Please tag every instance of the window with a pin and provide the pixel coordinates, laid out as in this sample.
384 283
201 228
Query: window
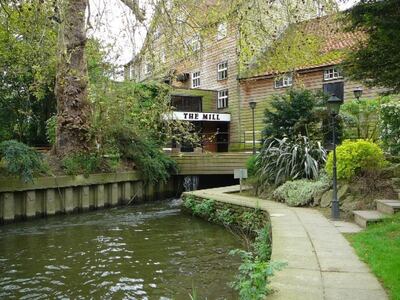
284 81
334 88
332 73
223 70
222 99
222 30
163 56
193 43
133 73
148 68
196 79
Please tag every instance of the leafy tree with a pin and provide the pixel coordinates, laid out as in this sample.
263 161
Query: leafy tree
376 60
27 59
291 114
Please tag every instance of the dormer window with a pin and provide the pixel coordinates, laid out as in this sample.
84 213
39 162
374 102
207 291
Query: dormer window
193 44
284 81
332 73
222 30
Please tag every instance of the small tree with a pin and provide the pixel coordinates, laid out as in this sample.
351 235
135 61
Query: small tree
291 114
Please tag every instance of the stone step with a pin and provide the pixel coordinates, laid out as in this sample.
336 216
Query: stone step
387 206
365 217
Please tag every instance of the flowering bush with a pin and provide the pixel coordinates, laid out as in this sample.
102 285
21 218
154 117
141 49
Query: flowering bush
356 157
390 127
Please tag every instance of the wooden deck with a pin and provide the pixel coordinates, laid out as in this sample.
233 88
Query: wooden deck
210 163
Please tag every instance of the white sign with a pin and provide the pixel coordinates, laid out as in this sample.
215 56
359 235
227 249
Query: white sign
200 116
240 173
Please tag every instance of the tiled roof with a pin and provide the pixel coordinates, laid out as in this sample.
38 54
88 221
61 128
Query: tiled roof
334 41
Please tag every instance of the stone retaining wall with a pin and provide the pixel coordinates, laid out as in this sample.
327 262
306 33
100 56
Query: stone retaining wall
65 194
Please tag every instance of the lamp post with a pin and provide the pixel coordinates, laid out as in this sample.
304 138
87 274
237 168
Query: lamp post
333 104
252 105
358 93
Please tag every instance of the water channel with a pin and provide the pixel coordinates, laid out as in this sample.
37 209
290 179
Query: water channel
148 251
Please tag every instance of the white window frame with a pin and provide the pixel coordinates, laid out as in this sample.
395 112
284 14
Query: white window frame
163 56
332 74
223 98
222 70
196 79
195 43
222 30
283 81
132 72
148 68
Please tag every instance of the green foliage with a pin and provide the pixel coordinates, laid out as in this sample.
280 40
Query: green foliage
355 158
301 192
21 160
390 127
251 220
28 40
82 163
225 217
291 114
284 159
149 158
51 129
205 209
251 165
376 59
262 243
253 279
361 118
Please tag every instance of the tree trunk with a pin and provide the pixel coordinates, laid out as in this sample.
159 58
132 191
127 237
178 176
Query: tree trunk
73 107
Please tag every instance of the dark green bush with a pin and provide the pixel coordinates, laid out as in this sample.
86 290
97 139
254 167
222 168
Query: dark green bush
148 156
251 165
284 159
21 160
225 217
291 114
390 126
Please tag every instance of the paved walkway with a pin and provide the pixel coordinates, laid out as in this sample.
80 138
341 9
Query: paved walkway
321 263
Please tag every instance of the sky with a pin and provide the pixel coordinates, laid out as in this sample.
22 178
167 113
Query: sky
113 23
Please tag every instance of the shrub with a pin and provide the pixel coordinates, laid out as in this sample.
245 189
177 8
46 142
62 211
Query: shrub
82 163
361 119
251 220
291 114
301 192
204 209
251 165
253 279
51 129
262 243
148 156
21 160
225 217
390 127
356 157
284 159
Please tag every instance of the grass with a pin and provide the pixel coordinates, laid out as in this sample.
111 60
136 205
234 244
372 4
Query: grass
379 247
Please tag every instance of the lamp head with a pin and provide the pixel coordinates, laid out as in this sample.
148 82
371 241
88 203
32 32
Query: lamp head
333 104
252 104
358 92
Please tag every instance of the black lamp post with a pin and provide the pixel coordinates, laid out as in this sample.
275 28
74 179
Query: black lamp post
333 104
358 93
252 105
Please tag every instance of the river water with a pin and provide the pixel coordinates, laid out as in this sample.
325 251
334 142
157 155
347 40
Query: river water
149 251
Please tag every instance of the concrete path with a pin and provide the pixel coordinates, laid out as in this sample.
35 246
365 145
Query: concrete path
321 264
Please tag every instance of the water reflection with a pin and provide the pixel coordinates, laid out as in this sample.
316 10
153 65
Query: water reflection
146 252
